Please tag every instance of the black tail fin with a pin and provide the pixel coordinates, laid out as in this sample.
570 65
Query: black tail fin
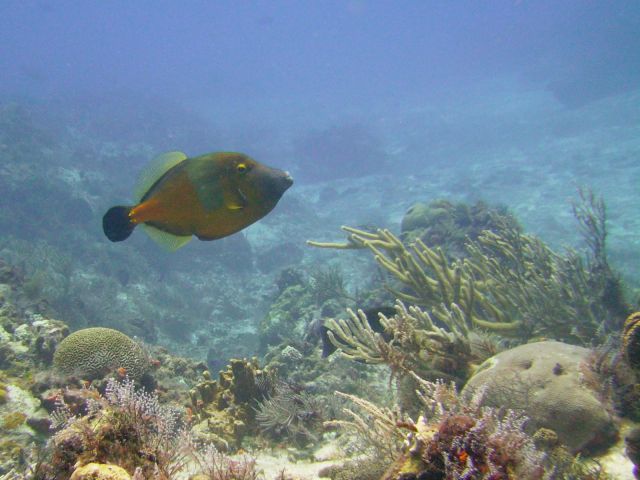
116 224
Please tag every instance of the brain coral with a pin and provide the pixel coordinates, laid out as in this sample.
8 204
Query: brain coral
94 352
545 380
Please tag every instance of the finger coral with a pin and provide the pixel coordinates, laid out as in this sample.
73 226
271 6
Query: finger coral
94 352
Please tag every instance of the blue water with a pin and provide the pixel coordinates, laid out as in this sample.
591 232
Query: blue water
371 105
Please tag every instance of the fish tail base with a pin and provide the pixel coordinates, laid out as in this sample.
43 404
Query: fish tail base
116 224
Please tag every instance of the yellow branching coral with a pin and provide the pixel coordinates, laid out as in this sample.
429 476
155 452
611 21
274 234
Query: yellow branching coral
356 339
551 294
417 341
431 280
511 284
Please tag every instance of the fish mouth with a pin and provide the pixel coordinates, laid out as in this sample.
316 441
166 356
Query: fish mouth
288 179
285 180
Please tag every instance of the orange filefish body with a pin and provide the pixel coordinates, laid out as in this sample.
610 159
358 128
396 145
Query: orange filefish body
210 196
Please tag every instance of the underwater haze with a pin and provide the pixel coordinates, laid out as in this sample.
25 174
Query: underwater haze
484 157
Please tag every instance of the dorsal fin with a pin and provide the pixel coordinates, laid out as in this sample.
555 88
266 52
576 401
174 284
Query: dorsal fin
156 168
168 241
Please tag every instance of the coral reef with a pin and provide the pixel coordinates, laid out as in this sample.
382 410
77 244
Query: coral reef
214 465
433 282
225 408
127 433
447 225
368 468
94 352
418 344
322 292
545 380
452 439
511 283
124 427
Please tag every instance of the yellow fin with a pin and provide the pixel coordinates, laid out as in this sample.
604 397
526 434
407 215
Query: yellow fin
156 168
166 240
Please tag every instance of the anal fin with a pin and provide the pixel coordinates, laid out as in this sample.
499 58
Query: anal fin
168 241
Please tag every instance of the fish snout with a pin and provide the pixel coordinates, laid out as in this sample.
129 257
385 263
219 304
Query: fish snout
287 179
281 180
273 183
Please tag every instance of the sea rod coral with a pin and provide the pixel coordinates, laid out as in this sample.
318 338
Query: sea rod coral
418 344
511 283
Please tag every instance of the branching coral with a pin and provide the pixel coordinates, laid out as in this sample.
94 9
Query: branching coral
511 284
127 427
216 466
417 341
377 427
433 282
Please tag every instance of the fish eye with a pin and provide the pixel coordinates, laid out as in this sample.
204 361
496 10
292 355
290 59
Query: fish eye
241 167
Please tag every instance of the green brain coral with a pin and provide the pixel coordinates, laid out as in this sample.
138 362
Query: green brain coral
94 352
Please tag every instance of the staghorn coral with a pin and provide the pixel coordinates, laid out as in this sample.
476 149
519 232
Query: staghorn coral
94 352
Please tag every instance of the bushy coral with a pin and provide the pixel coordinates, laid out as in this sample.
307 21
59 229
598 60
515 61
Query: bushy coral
94 352
126 427
132 430
216 466
509 283
453 439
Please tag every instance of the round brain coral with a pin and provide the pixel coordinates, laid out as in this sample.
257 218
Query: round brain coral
94 352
